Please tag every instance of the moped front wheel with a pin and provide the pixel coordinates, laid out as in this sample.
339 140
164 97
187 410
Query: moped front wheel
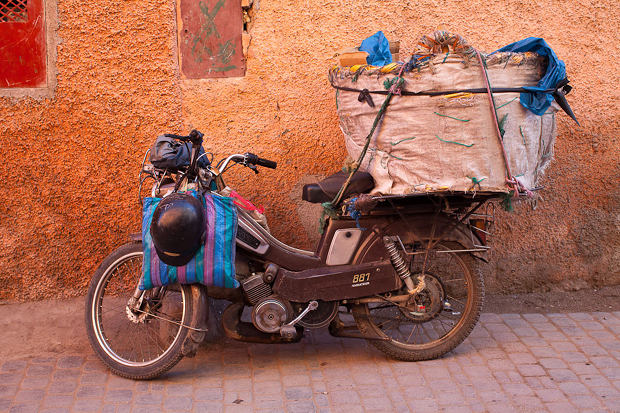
135 341
438 319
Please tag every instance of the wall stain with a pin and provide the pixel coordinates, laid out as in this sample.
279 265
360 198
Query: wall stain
200 47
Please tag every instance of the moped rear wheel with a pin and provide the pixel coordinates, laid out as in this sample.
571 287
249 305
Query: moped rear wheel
142 342
441 316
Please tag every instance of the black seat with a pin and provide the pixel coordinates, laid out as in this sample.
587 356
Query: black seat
328 188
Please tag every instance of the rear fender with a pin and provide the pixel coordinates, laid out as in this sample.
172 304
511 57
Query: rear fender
418 226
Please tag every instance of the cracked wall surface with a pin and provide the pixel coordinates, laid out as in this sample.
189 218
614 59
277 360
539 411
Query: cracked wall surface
71 159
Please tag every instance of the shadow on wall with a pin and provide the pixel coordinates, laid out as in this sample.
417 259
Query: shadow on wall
307 213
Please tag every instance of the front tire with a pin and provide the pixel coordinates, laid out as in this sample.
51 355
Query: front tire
428 328
140 344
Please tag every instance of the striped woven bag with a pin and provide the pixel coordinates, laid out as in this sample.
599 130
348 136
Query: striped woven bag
214 262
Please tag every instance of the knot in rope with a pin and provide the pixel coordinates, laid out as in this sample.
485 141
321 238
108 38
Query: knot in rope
394 85
518 186
475 182
355 214
351 166
328 212
365 96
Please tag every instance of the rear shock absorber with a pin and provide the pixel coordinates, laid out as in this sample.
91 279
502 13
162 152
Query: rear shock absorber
402 268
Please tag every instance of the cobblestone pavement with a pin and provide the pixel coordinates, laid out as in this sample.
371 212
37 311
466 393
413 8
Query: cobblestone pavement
510 363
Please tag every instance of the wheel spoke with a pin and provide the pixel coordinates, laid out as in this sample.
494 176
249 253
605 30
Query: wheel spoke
118 313
451 299
443 325
134 341
387 321
154 340
398 323
419 334
166 317
412 331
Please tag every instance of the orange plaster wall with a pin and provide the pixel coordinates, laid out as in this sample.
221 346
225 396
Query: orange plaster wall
71 161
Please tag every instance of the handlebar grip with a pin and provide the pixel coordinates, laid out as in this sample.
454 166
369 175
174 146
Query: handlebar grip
195 137
267 163
255 160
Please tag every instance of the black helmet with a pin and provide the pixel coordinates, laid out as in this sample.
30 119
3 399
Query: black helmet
178 228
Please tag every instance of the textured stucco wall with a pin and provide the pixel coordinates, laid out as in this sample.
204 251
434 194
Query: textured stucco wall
71 161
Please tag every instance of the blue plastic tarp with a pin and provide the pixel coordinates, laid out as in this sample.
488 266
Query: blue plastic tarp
539 101
378 49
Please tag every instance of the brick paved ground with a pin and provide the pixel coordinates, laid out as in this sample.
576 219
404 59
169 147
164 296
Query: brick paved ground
510 363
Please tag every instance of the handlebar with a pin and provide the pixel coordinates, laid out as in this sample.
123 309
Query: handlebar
248 159
194 137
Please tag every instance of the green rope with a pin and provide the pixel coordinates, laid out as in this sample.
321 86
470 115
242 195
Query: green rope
445 58
522 136
387 153
328 207
452 117
402 140
501 106
484 67
388 83
328 211
458 143
476 181
506 202
501 123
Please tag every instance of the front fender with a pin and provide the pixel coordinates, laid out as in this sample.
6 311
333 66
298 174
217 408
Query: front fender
199 316
198 319
418 226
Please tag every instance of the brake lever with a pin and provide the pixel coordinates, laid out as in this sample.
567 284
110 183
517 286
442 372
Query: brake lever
252 167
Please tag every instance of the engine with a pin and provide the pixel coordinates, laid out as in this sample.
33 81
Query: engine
271 313
256 288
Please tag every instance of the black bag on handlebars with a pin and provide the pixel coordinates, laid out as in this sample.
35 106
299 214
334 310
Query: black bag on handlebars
168 153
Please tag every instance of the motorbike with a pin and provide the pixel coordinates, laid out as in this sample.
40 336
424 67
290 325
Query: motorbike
400 271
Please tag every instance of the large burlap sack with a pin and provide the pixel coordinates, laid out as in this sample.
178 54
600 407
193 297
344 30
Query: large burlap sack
448 142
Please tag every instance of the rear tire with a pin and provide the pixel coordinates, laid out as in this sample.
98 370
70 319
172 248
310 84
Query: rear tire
416 335
137 345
